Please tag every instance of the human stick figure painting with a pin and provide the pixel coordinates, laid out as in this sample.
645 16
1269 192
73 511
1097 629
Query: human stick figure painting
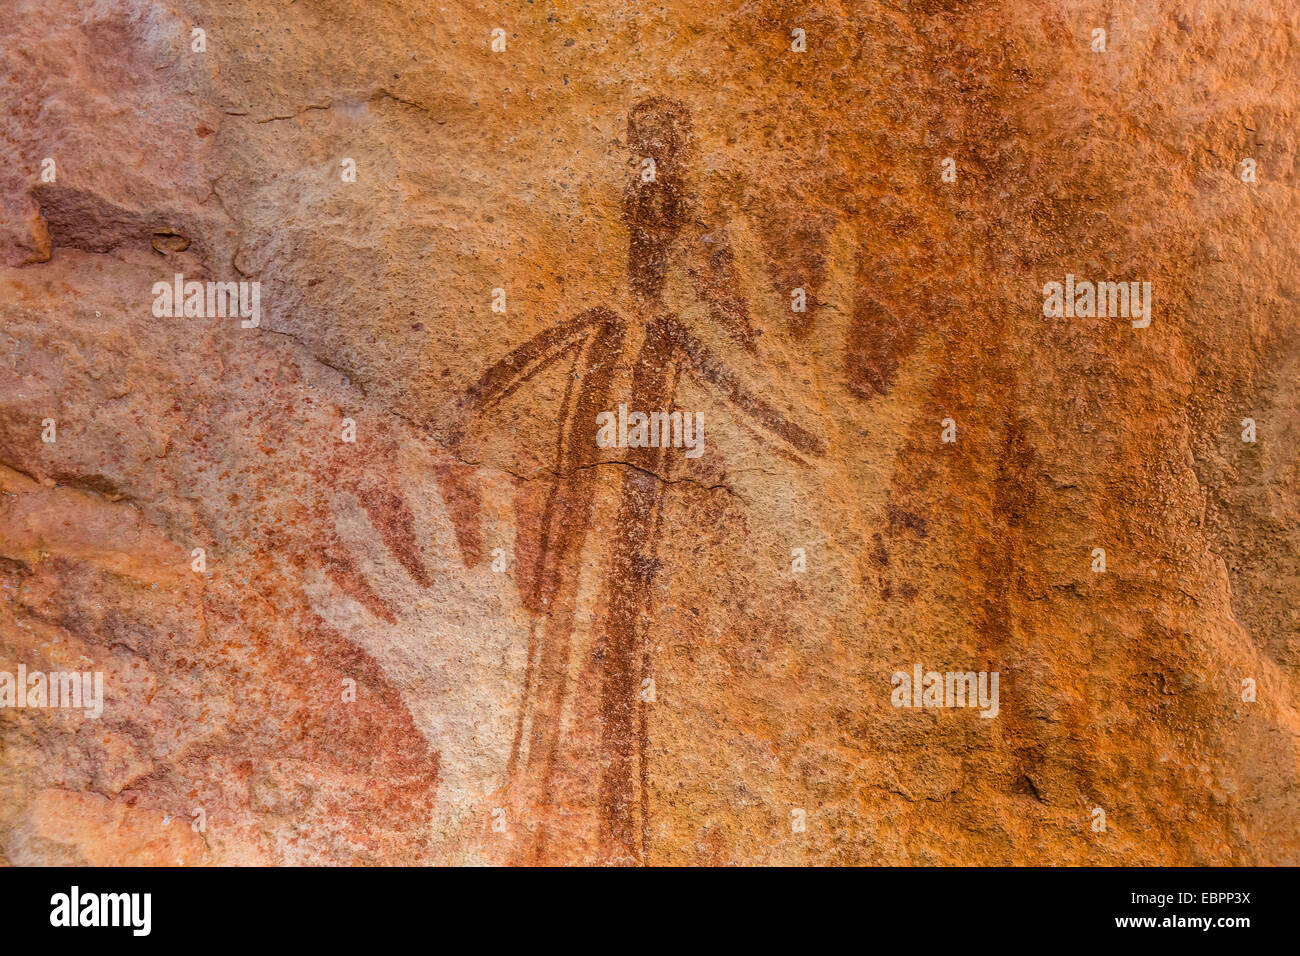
722 434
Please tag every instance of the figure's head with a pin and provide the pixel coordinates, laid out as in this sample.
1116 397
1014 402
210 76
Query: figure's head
655 206
659 128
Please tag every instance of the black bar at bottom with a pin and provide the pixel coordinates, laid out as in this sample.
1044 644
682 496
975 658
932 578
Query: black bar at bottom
947 907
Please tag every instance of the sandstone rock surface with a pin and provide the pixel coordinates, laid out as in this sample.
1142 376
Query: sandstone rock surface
563 652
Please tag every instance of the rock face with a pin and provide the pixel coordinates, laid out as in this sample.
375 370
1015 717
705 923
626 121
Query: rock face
366 581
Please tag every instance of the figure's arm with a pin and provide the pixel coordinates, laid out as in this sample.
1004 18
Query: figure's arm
538 353
456 477
714 373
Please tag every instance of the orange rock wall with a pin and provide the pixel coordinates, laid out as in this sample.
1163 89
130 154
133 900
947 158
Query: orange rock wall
506 595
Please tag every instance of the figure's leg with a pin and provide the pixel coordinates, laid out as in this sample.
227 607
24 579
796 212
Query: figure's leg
632 575
623 798
541 752
549 582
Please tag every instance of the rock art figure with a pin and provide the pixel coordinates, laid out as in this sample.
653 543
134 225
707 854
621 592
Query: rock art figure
653 348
